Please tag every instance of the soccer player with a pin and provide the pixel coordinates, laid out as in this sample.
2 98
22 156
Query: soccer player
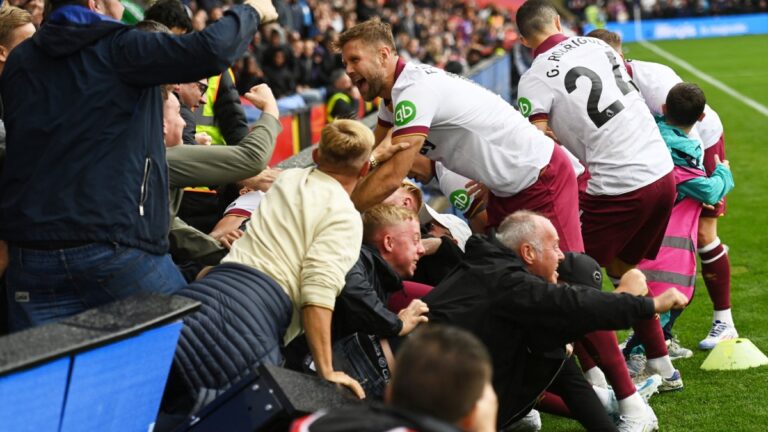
654 81
580 89
470 130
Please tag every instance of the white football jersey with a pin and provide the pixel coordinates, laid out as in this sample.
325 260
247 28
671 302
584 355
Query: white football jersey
472 131
580 85
655 80
245 204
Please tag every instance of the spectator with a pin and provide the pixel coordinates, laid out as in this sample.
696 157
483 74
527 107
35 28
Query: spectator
278 74
192 96
506 293
191 165
283 276
343 97
251 75
441 383
172 13
124 239
391 248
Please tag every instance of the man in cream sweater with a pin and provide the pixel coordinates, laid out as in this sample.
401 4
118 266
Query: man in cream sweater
283 276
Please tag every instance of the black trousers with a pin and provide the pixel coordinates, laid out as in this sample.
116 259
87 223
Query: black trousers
581 399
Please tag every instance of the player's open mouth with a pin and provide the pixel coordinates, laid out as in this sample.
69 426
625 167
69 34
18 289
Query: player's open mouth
359 83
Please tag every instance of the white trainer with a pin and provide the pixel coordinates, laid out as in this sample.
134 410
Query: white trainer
720 331
677 351
644 423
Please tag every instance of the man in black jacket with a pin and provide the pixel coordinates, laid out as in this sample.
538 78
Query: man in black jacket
506 292
391 248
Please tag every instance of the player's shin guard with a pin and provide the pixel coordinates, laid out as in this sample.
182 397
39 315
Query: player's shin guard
716 270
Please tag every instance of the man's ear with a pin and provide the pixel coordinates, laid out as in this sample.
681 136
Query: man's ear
664 109
384 53
388 243
524 41
3 54
92 5
701 117
527 253
365 169
558 26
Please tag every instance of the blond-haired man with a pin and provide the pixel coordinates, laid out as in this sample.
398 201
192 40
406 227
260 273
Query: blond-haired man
391 248
283 276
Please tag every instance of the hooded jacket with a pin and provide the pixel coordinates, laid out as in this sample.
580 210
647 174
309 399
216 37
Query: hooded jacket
86 160
523 320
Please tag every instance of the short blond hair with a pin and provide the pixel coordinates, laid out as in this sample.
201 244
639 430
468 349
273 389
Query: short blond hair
384 215
370 32
414 190
345 144
12 18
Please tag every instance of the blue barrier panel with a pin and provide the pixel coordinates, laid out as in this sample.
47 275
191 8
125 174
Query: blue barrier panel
494 76
118 387
690 28
33 399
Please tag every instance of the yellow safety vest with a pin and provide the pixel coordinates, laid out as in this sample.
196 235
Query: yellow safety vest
205 122
332 102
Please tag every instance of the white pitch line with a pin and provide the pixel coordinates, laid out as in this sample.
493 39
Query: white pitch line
757 106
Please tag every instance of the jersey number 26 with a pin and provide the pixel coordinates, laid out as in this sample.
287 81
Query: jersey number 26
597 116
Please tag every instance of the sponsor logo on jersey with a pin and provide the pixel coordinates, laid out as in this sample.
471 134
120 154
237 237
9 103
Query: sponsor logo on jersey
460 199
525 106
405 111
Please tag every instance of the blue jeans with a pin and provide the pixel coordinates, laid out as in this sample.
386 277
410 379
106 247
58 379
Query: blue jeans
44 286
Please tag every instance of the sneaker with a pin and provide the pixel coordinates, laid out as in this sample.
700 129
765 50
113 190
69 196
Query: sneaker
676 351
673 383
530 423
720 331
636 364
649 387
644 423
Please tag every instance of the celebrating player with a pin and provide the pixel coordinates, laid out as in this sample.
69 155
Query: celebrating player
654 81
580 89
472 131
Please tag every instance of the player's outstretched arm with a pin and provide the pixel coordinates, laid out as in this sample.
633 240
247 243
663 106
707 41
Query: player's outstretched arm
380 184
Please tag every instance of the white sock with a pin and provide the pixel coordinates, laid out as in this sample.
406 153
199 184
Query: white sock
723 315
662 366
596 377
633 406
604 395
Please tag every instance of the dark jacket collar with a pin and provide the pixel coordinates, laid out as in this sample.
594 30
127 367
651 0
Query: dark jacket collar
386 275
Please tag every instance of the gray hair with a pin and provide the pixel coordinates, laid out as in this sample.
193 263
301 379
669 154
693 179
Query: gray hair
518 228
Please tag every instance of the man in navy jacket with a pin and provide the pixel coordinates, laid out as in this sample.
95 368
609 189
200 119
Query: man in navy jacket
84 192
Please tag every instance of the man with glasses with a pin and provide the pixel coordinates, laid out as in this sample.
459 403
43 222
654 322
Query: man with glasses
192 96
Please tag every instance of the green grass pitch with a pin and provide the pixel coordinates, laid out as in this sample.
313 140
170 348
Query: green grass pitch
738 400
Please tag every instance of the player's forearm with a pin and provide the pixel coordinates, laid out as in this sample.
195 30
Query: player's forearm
317 325
376 187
